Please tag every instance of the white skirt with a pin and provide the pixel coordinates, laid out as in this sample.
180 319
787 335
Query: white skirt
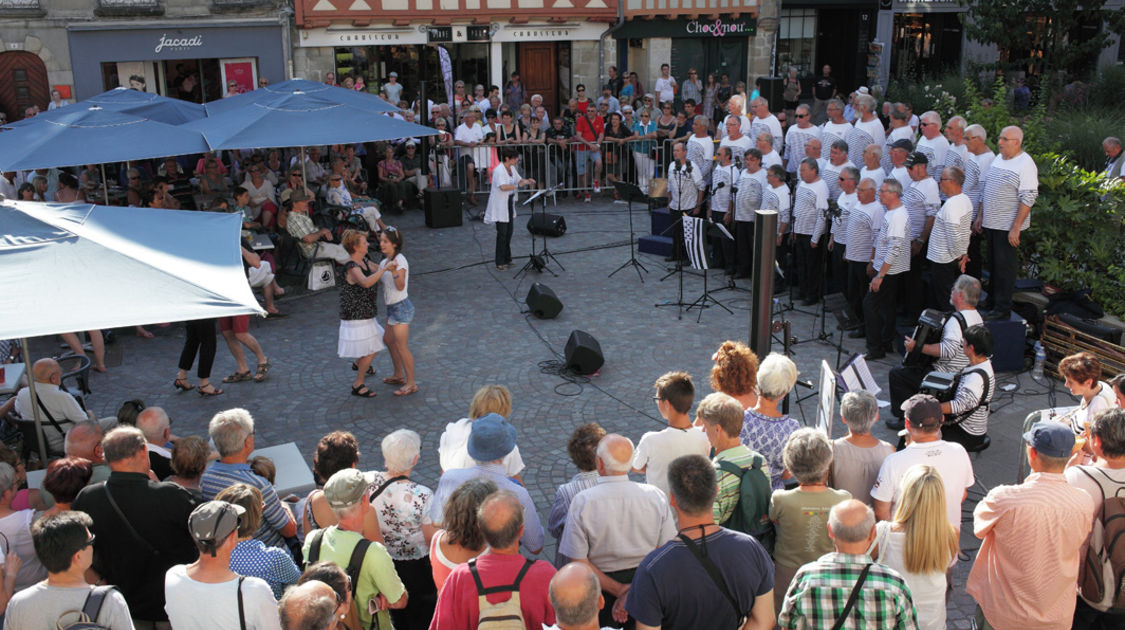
359 338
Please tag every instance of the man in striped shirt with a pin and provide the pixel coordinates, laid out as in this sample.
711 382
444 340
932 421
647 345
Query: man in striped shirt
871 168
835 128
977 161
967 413
809 203
949 238
232 431
867 129
890 262
863 224
751 186
1011 186
831 168
765 121
933 144
797 136
922 203
838 233
775 196
764 143
819 592
899 130
685 190
723 179
958 151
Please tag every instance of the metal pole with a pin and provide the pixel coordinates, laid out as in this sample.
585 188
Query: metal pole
34 407
761 311
105 185
424 118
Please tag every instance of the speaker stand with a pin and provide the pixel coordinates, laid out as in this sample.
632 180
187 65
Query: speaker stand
705 301
631 192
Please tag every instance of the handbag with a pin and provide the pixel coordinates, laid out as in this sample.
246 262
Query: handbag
321 276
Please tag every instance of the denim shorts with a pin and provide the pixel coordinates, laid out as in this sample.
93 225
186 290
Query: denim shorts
400 312
584 157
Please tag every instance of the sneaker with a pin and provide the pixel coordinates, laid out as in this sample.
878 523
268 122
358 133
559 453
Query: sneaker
587 197
597 187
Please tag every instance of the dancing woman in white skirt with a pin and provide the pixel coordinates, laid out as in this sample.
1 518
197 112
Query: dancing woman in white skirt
361 337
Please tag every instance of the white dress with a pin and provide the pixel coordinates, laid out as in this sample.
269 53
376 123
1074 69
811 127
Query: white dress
926 589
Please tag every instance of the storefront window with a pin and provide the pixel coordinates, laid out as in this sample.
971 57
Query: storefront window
375 63
925 44
796 40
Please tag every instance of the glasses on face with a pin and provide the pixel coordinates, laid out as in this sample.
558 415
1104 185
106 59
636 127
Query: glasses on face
802 115
133 178
581 89
945 179
845 179
657 399
89 541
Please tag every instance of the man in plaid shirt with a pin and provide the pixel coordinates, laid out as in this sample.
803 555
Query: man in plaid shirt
820 590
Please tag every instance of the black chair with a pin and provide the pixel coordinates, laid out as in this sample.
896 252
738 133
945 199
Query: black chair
27 431
76 367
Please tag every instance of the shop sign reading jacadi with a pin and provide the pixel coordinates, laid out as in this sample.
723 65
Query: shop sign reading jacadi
177 42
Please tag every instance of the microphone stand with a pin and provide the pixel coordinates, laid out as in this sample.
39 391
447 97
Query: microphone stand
679 268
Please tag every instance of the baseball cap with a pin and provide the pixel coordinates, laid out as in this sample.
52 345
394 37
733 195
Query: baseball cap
916 158
903 143
393 74
863 90
923 411
1050 438
213 521
345 488
298 194
492 438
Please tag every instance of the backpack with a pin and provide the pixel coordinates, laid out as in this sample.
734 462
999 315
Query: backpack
355 565
507 614
752 512
87 618
1101 576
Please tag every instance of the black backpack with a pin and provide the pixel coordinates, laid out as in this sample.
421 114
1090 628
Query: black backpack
87 618
752 512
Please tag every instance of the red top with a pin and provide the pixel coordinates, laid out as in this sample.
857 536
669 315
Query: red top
590 131
457 607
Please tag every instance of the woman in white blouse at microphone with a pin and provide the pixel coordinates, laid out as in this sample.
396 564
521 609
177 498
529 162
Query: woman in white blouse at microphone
501 203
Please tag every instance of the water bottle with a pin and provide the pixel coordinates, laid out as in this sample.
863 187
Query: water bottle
1040 359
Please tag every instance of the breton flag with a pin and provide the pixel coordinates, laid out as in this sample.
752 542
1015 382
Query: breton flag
695 241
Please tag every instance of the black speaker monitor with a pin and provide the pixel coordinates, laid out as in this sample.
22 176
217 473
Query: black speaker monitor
442 207
583 354
543 302
545 224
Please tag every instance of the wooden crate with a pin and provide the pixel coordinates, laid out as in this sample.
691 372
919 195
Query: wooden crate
1060 340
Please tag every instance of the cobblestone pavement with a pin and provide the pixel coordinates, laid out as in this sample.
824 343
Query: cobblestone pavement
469 331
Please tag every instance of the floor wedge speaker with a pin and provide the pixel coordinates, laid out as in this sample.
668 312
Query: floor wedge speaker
583 354
543 302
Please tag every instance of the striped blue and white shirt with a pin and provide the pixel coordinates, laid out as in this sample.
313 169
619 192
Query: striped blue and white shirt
892 245
830 173
921 201
778 199
863 135
749 198
1007 185
723 179
831 132
795 141
770 124
975 168
876 175
935 151
220 476
809 202
839 229
700 152
898 133
864 223
949 239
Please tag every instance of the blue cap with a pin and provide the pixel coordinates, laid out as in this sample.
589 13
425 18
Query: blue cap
1050 438
492 438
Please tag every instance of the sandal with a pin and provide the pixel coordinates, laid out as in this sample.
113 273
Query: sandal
212 392
363 392
182 385
370 369
406 391
395 380
262 373
237 377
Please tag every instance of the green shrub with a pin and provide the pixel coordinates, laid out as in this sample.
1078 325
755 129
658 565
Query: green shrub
1108 87
1081 131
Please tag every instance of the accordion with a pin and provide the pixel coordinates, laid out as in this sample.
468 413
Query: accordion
940 385
928 330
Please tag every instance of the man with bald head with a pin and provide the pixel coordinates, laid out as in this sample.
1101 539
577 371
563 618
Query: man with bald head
883 600
520 582
156 426
58 409
612 526
83 440
1011 187
308 606
577 598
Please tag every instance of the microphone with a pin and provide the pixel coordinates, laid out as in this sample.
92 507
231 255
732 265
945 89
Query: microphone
721 184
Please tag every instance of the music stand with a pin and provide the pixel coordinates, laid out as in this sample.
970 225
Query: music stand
538 261
631 193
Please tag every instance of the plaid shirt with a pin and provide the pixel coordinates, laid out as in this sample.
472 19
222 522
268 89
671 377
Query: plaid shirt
820 591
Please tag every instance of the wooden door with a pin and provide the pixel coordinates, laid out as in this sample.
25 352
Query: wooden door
539 72
23 83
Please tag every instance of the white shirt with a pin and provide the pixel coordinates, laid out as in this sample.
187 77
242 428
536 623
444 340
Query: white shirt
949 240
9 189
616 523
863 135
684 183
921 201
751 187
976 166
769 123
769 159
497 210
16 528
892 243
453 450
839 228
809 202
745 126
193 605
701 153
723 180
795 140
391 292
949 458
465 133
259 194
1007 184
829 133
876 175
863 225
657 449
778 199
898 133
935 151
738 149
61 405
665 89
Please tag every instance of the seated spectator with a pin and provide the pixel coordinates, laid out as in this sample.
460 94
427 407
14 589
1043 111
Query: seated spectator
920 544
65 478
883 601
15 526
189 459
129 410
460 540
1083 374
1025 573
294 182
250 557
453 449
338 195
857 457
460 605
403 508
315 243
156 426
1118 384
212 182
583 450
335 452
84 440
379 588
721 416
657 449
68 191
801 515
735 373
60 408
64 545
576 597
923 426
26 497
491 439
394 188
765 429
230 598
342 589
232 432
310 606
673 587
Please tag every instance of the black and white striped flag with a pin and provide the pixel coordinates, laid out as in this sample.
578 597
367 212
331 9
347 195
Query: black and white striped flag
695 241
